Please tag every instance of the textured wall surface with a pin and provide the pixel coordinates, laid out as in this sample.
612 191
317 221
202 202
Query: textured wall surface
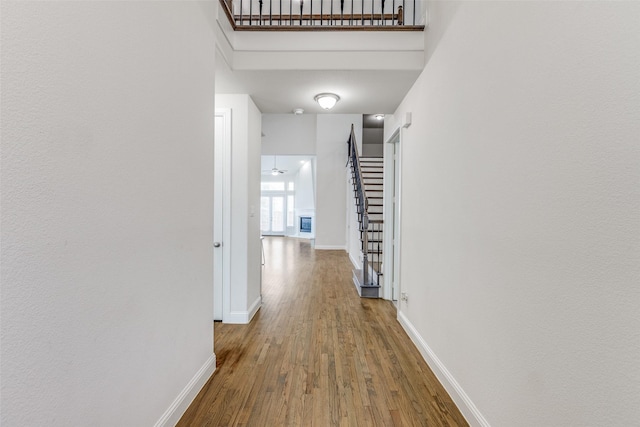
521 194
107 130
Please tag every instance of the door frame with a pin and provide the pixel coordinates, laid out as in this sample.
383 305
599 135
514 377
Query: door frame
222 216
392 215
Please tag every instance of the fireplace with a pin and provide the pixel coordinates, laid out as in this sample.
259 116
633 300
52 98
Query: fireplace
305 224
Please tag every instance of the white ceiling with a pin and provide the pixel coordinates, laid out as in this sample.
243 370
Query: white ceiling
361 92
289 163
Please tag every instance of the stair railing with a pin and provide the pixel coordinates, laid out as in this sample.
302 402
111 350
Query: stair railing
362 203
334 15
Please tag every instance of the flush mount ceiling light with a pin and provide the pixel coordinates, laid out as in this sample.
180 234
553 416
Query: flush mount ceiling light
379 116
327 100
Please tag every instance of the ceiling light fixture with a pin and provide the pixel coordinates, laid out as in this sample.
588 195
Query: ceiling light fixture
379 116
327 100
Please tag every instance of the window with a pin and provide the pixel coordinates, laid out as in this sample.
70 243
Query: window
272 186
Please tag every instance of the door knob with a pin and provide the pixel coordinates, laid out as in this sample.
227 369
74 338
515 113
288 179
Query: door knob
216 244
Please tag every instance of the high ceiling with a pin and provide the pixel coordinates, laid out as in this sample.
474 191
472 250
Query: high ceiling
289 163
275 91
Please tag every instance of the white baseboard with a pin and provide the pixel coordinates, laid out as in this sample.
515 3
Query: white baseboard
330 248
461 399
244 317
254 308
355 263
178 407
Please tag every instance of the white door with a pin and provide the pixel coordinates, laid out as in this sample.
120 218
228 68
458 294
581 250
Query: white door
395 285
221 215
392 203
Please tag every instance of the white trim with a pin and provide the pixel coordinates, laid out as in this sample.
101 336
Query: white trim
225 227
237 318
355 263
244 317
178 407
397 262
254 308
468 409
389 214
330 248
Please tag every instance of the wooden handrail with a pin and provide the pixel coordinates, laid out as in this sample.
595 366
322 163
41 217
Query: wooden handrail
226 6
327 28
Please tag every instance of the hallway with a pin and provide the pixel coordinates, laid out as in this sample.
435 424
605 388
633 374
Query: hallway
317 354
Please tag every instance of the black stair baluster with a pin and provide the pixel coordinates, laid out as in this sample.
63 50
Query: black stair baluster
351 15
331 20
372 10
393 11
260 12
301 5
403 11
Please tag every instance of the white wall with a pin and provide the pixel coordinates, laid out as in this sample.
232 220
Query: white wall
354 246
305 190
107 213
331 155
372 150
245 206
289 134
520 226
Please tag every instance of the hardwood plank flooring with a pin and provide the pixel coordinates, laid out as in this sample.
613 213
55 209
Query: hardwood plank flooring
316 354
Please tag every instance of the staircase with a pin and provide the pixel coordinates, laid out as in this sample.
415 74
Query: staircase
367 179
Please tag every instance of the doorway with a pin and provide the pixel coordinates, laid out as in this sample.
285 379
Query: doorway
392 204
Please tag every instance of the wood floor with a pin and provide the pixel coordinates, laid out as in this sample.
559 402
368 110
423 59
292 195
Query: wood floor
318 355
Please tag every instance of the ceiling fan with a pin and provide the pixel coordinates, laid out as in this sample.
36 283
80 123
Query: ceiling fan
275 171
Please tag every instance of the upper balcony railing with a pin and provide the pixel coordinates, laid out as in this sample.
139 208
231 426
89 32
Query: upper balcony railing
318 15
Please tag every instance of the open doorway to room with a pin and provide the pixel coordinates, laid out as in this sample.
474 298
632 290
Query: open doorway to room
287 196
